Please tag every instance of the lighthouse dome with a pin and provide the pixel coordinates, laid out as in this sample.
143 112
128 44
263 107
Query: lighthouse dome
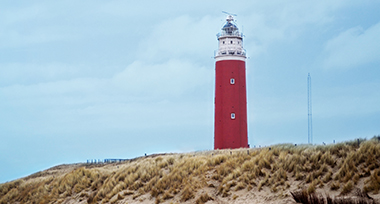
229 28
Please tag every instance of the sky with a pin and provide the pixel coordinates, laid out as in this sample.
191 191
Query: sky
117 79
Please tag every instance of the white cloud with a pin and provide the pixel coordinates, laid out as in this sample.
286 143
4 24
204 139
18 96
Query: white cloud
138 80
353 47
32 73
30 24
349 101
171 78
21 14
142 92
183 36
284 21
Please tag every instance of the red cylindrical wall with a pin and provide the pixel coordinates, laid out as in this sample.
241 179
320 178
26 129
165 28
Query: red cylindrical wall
230 98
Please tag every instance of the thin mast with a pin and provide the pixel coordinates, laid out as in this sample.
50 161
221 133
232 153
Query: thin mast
309 112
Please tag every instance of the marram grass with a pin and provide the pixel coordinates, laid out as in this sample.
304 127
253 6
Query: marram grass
179 177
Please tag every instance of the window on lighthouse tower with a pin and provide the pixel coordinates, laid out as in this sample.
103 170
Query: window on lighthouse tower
232 81
233 116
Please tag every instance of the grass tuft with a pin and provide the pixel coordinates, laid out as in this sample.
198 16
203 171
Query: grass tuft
347 188
335 185
187 194
203 198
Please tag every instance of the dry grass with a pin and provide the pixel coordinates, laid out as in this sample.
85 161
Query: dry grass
314 198
203 198
339 166
335 185
373 183
188 193
347 188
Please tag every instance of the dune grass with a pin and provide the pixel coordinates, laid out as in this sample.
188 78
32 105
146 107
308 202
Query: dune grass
305 197
180 176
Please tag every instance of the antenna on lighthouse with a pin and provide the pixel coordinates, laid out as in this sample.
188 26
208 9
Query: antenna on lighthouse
230 16
309 112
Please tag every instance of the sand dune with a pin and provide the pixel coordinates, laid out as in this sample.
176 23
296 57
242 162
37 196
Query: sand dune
265 175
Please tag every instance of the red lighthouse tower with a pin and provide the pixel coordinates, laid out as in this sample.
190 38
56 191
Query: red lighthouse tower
230 89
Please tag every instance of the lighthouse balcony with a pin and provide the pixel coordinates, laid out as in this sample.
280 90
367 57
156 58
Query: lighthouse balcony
230 52
232 34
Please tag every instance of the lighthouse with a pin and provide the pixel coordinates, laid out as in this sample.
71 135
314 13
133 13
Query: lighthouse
230 89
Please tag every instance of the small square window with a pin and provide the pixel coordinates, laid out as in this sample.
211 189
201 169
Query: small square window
233 116
232 81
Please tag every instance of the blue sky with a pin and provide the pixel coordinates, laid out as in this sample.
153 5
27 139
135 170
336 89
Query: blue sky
117 79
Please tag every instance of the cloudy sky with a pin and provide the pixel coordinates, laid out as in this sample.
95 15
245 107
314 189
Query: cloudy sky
116 79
